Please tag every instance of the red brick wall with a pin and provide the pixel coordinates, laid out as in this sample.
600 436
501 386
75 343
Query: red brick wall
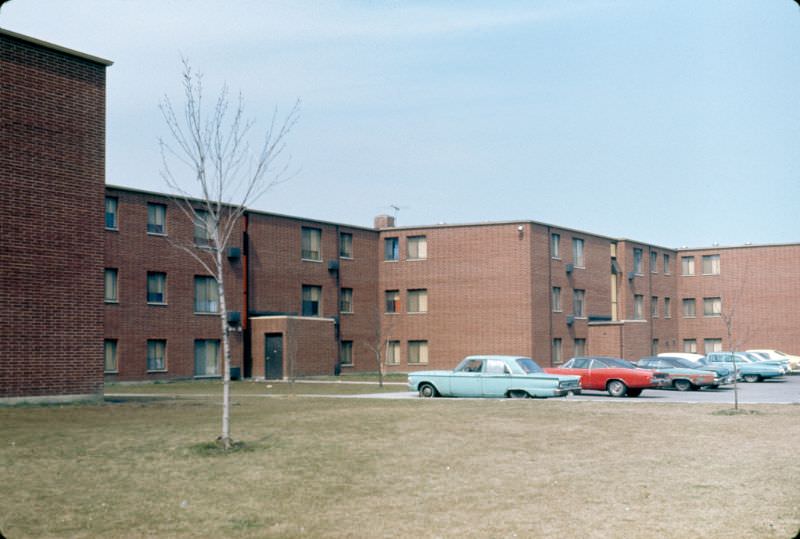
309 345
759 285
132 321
52 155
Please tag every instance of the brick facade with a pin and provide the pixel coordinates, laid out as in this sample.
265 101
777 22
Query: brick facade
52 166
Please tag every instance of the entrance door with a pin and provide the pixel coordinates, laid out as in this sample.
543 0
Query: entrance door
273 356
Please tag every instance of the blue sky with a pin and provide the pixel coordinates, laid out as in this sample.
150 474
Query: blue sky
671 122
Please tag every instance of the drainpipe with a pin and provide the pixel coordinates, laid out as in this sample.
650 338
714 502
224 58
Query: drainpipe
247 360
550 293
337 325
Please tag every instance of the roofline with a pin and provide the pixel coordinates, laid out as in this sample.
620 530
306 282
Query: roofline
744 246
59 48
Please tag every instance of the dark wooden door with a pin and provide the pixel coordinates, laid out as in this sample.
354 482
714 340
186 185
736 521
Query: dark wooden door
273 356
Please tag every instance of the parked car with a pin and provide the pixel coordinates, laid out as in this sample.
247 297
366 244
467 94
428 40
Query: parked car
750 372
493 376
724 374
615 375
757 358
681 377
794 361
683 355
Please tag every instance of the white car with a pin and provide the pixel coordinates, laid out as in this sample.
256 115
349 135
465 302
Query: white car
794 361
684 355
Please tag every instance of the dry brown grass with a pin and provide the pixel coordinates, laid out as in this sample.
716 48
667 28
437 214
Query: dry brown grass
318 467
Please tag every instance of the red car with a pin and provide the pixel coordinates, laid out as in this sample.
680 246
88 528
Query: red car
617 376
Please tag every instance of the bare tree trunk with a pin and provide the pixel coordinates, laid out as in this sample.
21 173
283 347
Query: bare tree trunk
226 354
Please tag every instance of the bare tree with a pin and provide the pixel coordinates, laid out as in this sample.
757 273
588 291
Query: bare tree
378 342
210 151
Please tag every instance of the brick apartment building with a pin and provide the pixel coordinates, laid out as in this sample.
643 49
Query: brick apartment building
52 183
90 296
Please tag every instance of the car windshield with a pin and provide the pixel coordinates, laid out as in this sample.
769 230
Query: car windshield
528 365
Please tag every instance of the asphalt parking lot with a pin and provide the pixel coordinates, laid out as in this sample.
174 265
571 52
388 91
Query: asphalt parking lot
782 391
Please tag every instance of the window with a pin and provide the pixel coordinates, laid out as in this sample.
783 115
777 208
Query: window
666 264
206 295
638 307
203 225
653 262
156 355
311 248
557 299
206 357
687 265
346 245
667 308
712 345
417 247
580 347
689 308
690 346
654 307
391 249
712 306
111 364
555 245
156 287
111 289
418 301
393 353
347 353
577 253
613 249
312 297
637 261
392 301
555 354
654 347
156 218
417 352
578 297
346 300
111 213
710 264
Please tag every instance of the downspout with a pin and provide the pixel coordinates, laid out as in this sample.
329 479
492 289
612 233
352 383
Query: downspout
337 326
247 362
550 293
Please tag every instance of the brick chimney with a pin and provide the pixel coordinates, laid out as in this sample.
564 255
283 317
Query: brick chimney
384 221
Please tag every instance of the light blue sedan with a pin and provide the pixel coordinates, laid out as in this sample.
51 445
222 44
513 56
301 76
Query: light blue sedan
493 376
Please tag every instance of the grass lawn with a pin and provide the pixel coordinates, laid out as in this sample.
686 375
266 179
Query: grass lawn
319 467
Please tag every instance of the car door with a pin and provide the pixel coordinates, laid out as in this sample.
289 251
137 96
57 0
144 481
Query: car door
597 374
466 382
580 366
496 378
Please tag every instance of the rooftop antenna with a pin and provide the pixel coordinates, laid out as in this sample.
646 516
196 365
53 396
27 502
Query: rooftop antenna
396 209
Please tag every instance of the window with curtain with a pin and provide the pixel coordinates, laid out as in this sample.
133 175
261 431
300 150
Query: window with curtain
203 226
712 345
712 306
417 352
417 247
156 355
689 308
206 295
555 354
638 307
687 265
392 301
580 347
207 357
346 303
156 218
653 262
555 245
711 265
156 287
347 353
577 253
311 248
557 299
346 245
312 299
111 213
110 364
654 307
690 346
418 301
391 249
637 261
667 308
579 303
110 287
393 353
666 264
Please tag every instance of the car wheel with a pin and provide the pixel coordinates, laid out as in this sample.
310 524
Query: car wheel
616 388
750 378
682 385
518 394
427 391
634 392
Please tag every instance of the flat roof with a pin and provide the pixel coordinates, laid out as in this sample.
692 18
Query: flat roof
54 47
